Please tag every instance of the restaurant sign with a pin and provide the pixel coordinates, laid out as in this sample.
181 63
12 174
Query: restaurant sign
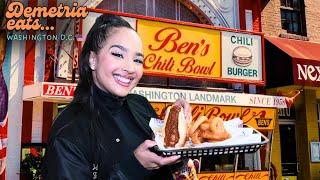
58 90
258 118
216 98
306 73
241 56
185 50
178 50
175 50
66 91
254 175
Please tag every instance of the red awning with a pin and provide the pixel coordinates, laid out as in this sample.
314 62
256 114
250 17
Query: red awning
297 49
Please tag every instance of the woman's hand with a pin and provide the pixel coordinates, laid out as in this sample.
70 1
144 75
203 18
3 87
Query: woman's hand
150 160
187 108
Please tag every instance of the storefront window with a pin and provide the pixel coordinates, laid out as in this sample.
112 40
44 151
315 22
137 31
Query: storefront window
170 9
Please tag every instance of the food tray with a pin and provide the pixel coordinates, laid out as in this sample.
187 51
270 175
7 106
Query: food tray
215 150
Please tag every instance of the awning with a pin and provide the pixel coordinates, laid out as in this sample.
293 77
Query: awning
297 49
292 62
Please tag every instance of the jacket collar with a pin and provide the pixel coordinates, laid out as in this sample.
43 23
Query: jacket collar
107 101
110 104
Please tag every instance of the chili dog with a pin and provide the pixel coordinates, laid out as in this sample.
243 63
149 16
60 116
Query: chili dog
175 127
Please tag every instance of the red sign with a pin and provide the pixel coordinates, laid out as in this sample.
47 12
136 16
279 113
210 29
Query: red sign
58 90
306 72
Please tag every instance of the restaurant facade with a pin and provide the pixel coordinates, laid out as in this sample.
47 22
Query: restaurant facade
292 44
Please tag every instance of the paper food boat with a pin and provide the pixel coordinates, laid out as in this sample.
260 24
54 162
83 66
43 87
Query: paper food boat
244 139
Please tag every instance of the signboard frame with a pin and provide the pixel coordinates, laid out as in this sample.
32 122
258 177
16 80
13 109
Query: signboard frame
220 79
315 151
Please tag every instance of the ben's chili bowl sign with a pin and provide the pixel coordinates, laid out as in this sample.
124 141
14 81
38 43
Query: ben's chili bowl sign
178 50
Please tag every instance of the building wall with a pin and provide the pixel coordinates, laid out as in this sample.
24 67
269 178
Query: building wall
271 19
313 19
307 131
276 149
256 18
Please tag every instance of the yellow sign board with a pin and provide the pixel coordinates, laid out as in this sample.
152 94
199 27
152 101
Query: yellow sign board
254 175
258 118
179 50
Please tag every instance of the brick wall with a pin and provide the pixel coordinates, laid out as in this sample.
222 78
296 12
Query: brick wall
313 19
255 8
270 17
271 20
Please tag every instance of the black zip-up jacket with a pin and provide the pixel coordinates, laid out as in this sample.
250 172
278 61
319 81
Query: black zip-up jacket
73 151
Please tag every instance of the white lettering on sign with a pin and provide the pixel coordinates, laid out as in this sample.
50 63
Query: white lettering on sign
278 102
267 101
308 72
260 100
58 90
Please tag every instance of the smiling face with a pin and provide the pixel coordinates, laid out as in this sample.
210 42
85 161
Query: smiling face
118 66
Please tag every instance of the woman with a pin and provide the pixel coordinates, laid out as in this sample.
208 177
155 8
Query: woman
104 132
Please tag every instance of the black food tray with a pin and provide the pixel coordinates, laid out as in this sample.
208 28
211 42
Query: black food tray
214 150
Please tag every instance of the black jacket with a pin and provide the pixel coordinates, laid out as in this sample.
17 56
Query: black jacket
73 151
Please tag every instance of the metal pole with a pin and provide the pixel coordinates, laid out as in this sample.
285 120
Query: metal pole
236 158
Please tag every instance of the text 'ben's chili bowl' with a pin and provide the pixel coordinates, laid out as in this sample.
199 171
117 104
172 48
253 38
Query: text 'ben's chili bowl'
180 50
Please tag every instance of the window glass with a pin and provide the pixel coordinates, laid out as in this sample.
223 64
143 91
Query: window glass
291 17
166 9
187 15
135 7
296 4
110 5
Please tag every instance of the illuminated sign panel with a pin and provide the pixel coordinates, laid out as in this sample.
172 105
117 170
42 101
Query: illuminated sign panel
178 50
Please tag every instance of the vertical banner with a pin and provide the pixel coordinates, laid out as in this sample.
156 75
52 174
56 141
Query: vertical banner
3 107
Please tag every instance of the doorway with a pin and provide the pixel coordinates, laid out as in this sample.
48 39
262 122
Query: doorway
288 149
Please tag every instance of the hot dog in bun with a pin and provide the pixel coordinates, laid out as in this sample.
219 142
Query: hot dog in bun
175 127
